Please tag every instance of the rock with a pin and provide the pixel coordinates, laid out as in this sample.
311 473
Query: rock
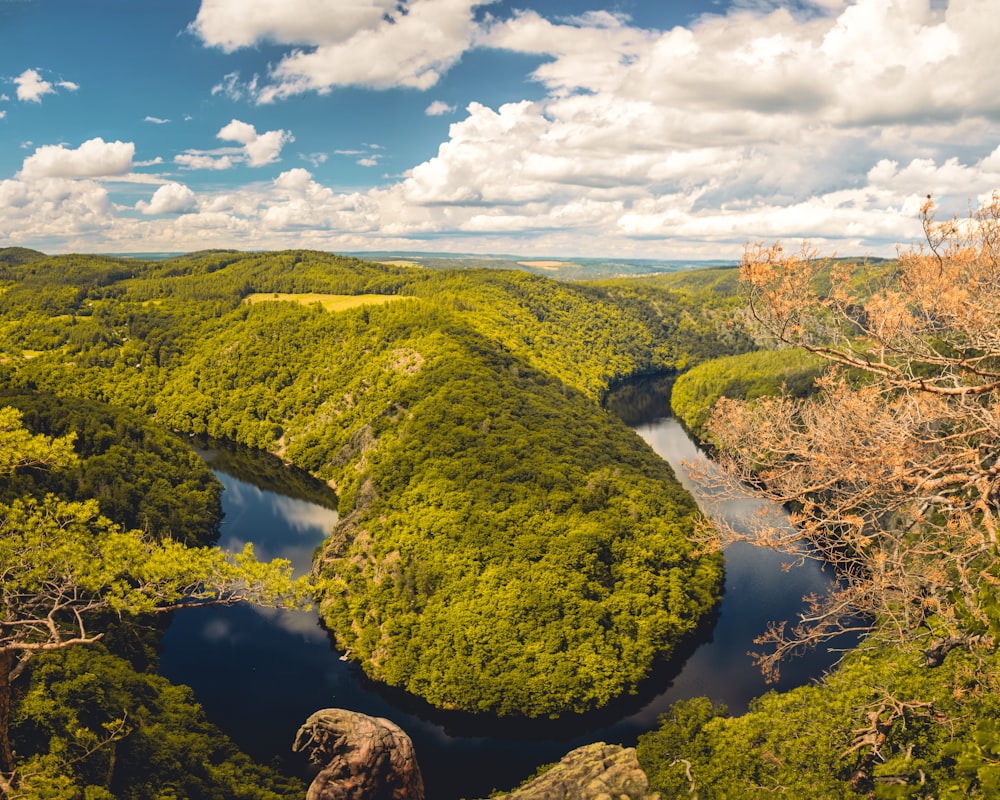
362 758
595 772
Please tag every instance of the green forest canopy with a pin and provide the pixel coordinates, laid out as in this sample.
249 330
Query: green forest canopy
462 429
505 545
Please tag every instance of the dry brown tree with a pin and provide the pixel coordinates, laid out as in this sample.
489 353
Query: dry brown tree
891 468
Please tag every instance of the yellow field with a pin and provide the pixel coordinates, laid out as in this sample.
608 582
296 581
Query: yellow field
330 302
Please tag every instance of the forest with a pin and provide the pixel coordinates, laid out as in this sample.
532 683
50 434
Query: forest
505 544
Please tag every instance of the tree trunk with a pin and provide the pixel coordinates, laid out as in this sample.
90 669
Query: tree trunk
7 660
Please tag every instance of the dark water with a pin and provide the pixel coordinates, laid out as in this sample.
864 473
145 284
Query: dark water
260 674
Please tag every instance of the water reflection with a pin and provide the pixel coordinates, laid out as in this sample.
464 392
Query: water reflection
758 589
260 674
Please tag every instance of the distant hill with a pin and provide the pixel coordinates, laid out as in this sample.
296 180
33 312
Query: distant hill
16 256
565 269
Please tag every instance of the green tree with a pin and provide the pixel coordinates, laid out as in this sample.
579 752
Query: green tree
64 569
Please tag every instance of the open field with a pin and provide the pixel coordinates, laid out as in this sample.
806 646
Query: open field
330 302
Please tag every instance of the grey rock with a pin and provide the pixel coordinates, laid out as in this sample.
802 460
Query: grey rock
594 772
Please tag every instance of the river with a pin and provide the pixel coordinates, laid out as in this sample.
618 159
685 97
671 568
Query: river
259 674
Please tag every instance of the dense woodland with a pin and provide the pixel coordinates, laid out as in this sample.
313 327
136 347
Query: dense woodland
505 544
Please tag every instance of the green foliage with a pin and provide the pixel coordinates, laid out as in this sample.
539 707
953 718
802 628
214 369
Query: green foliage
89 725
169 490
746 376
694 315
505 544
668 755
62 563
20 448
883 725
19 255
65 571
491 562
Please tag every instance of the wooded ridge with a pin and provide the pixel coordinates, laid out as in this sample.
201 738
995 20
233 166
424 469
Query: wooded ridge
505 544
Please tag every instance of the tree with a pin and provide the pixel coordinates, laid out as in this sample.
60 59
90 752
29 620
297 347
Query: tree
891 469
65 569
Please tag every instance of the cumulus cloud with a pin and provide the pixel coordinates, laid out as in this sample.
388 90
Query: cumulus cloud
759 123
830 121
31 87
238 131
260 149
256 149
54 209
379 43
171 198
950 177
876 61
297 201
232 24
93 159
156 120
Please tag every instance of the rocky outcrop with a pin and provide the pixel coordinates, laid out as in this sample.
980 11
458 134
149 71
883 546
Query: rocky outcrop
594 772
362 758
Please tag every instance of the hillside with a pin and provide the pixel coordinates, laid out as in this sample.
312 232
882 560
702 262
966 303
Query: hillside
505 545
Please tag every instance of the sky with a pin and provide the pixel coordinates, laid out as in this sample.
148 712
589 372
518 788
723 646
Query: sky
547 128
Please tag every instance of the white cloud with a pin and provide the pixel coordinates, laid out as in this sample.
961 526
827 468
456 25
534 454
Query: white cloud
156 120
171 198
31 87
256 149
54 210
948 178
438 108
832 122
93 159
233 87
315 159
197 160
379 43
260 149
232 24
877 61
238 131
266 148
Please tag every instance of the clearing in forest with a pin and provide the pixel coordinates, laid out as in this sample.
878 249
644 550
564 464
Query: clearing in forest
330 302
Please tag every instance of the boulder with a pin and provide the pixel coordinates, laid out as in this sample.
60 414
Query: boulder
361 758
594 772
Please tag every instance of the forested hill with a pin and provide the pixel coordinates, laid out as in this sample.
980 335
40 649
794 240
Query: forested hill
505 545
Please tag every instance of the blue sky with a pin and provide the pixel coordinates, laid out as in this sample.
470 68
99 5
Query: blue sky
639 128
